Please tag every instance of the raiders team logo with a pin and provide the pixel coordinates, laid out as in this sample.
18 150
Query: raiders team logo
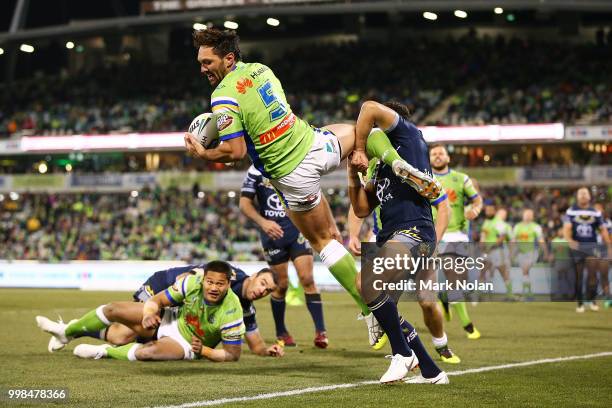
224 121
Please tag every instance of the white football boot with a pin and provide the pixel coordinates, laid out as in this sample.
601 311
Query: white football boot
92 351
376 335
439 379
54 343
425 184
399 368
56 329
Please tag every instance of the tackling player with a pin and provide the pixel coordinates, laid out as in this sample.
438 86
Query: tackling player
406 218
209 313
581 225
281 241
525 236
253 116
460 191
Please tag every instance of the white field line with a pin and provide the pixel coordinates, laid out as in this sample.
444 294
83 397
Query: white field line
309 390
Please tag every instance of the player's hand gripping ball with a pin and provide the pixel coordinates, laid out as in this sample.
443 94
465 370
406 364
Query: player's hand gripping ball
204 129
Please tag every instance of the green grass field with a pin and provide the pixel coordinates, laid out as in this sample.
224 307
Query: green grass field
512 333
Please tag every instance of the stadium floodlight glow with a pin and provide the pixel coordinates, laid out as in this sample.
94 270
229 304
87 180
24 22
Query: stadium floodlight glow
200 26
70 45
510 17
460 14
1 51
134 193
1 197
272 22
14 196
201 194
26 48
430 16
68 167
231 194
42 168
498 10
232 25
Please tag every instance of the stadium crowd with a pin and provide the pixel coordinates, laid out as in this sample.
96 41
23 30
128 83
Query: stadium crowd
178 225
482 79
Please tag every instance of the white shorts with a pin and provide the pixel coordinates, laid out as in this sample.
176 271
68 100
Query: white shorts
169 328
454 243
499 257
527 259
300 190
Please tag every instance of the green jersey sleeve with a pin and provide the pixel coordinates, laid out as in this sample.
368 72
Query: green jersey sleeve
177 293
231 324
469 190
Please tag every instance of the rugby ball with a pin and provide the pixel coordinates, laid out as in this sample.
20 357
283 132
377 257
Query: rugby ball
204 128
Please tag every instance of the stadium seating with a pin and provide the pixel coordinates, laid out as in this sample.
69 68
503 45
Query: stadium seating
173 225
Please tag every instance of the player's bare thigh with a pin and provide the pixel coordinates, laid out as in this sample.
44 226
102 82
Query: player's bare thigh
314 224
346 136
164 349
128 314
117 334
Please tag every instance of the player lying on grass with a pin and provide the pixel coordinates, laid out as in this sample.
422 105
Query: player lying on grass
406 219
253 117
208 313
247 288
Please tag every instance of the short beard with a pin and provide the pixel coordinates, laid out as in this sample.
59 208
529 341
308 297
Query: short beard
438 168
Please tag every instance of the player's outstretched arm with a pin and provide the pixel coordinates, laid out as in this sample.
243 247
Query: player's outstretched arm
363 199
257 345
354 228
228 151
229 352
371 114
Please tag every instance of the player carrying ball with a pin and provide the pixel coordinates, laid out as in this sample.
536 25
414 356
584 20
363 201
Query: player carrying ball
253 116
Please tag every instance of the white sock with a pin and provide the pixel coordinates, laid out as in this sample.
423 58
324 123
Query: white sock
132 352
332 253
439 341
100 314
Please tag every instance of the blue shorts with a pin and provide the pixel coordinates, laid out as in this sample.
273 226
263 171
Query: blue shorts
279 253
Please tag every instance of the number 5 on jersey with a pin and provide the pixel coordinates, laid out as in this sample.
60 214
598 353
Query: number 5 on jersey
268 98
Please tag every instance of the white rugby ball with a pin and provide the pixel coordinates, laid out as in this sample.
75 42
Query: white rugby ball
204 128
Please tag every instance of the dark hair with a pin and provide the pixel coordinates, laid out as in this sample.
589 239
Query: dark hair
398 107
433 146
219 267
222 42
270 271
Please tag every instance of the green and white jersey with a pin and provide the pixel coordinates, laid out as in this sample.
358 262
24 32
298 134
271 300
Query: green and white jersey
211 323
459 188
250 102
526 235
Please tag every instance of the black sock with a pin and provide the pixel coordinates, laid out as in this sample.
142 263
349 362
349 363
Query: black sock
278 313
429 369
469 328
385 311
315 307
